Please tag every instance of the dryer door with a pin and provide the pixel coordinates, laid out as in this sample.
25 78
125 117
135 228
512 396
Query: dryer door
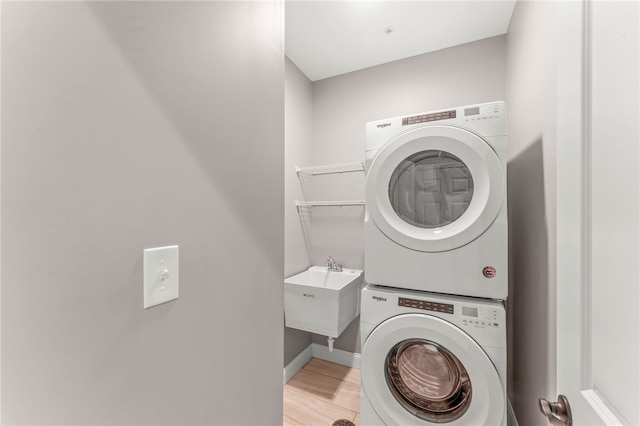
435 188
419 369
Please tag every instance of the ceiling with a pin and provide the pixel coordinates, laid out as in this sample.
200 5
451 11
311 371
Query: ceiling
329 38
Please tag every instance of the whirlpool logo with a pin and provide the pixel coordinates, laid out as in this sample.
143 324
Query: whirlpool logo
383 125
379 299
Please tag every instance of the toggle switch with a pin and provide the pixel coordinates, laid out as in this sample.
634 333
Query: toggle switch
160 275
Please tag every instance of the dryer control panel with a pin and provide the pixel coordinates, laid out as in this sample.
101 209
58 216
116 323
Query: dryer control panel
425 118
483 112
471 113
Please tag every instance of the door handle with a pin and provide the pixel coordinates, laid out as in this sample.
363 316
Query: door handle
559 410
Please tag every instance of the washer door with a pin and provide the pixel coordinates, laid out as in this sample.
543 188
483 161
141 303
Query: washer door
419 369
435 188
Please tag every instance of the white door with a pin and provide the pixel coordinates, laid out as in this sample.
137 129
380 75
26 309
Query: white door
598 301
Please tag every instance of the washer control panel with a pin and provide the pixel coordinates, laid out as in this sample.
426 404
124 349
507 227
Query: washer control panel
479 317
425 305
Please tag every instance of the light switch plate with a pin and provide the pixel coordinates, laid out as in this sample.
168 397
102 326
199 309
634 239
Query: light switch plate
160 266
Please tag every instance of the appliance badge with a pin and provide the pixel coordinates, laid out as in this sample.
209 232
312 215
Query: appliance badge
489 272
383 125
379 299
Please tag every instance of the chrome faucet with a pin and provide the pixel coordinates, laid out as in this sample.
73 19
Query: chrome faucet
332 265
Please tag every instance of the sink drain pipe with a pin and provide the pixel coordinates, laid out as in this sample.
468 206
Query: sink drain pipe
330 343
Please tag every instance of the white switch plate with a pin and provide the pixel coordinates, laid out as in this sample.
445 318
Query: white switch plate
160 275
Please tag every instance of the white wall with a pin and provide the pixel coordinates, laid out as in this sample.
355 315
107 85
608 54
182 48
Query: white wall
342 105
531 98
128 125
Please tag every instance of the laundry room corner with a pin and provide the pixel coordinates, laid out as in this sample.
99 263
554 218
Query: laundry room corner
329 118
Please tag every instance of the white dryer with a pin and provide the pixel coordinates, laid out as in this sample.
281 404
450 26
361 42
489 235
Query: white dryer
432 359
436 215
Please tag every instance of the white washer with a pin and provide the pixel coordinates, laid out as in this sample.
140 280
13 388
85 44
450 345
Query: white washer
436 216
428 358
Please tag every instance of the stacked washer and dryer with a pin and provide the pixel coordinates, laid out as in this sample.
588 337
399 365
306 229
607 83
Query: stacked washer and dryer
432 320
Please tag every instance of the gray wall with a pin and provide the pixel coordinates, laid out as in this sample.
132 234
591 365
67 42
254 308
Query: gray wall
297 153
342 105
531 97
128 125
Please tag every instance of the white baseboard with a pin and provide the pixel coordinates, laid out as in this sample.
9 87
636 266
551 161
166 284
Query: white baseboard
297 363
315 350
338 356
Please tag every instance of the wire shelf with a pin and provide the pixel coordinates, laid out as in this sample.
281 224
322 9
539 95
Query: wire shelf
300 204
331 169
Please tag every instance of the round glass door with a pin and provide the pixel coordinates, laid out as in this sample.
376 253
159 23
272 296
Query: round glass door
431 189
420 369
428 380
435 188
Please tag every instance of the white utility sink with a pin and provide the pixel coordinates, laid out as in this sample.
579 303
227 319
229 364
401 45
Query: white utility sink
322 301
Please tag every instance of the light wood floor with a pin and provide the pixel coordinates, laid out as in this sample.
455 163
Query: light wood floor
321 393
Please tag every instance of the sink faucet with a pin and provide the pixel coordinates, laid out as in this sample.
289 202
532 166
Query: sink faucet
332 265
